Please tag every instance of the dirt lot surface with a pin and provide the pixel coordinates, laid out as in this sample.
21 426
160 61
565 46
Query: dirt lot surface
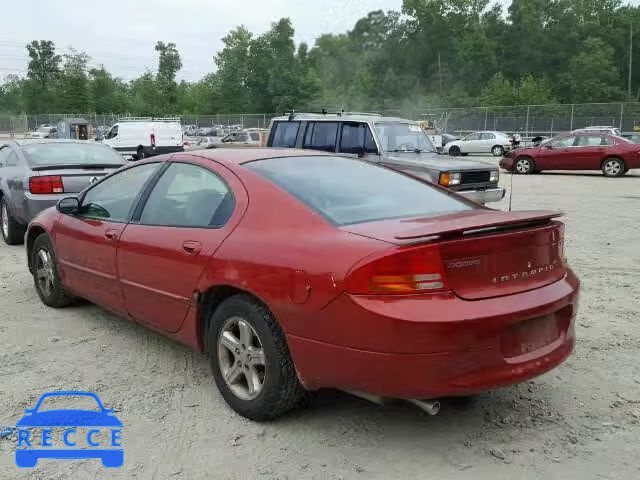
581 421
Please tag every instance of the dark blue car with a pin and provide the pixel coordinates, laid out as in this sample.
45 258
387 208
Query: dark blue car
28 457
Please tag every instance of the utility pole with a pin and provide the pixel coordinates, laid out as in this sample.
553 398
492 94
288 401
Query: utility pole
630 58
440 74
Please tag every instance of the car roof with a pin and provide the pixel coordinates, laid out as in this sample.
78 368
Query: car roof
344 117
238 156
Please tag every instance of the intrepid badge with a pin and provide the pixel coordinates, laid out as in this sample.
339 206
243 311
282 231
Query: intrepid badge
529 273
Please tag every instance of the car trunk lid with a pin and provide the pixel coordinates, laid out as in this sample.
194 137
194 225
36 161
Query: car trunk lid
485 253
75 178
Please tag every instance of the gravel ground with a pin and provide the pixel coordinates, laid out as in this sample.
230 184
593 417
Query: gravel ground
578 422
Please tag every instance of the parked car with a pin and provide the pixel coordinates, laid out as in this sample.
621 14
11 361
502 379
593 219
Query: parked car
206 132
145 137
495 143
190 130
394 142
44 131
276 261
600 129
611 154
246 138
632 136
35 174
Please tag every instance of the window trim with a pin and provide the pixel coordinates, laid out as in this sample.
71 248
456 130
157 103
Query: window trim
136 201
137 213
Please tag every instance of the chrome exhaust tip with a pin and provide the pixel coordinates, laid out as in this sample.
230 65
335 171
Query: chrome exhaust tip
432 407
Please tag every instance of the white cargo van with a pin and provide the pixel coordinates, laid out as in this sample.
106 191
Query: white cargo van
145 137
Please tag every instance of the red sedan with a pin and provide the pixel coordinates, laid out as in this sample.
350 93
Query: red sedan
299 270
614 156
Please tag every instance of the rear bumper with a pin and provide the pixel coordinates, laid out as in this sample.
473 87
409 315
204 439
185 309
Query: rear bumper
440 346
34 204
483 196
152 151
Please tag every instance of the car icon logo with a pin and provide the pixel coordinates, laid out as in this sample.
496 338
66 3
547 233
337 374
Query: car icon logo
105 431
93 180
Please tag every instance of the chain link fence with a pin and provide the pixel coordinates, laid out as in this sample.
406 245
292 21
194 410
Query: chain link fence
528 120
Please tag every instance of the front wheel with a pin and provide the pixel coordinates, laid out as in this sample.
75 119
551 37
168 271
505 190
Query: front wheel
524 166
613 167
498 151
454 151
12 231
250 360
46 275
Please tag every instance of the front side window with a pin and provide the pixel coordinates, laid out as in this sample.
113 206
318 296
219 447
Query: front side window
562 142
357 138
346 191
472 137
255 137
285 134
114 198
188 196
321 136
403 137
113 132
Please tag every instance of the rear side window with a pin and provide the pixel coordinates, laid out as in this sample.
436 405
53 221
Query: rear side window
285 134
347 191
321 136
255 137
589 141
356 138
12 159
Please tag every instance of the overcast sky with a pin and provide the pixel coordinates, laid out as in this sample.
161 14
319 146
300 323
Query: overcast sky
121 34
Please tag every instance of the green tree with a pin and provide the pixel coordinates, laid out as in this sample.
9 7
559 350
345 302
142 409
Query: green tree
233 70
498 92
11 95
73 83
591 75
42 71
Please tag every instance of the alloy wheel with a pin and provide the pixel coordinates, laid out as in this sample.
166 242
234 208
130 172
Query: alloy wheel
241 358
5 221
612 168
523 165
44 272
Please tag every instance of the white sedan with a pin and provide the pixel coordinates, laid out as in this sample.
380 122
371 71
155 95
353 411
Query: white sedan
496 143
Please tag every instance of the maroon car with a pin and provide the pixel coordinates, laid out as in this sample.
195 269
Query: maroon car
614 156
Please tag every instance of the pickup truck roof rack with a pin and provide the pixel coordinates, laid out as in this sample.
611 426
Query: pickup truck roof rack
149 119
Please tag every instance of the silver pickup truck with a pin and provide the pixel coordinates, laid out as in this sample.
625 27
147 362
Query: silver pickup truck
394 142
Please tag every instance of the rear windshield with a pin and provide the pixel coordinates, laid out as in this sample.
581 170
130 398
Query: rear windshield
71 154
347 191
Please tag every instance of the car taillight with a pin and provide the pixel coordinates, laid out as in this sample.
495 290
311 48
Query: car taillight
406 271
153 139
46 184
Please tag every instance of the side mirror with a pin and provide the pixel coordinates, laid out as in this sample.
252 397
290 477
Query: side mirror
549 147
68 206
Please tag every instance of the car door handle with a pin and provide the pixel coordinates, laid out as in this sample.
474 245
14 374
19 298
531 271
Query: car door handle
111 234
192 248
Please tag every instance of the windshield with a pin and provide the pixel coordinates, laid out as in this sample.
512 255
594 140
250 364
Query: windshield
403 137
71 154
347 191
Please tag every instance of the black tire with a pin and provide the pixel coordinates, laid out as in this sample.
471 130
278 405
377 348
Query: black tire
614 167
524 166
141 154
12 231
497 151
281 390
454 151
57 296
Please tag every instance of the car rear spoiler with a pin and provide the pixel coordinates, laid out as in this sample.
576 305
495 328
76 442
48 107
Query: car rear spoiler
469 224
88 166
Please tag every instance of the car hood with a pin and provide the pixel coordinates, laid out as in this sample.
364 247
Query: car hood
69 418
434 161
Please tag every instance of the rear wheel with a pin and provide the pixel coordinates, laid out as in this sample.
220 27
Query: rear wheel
46 275
12 231
524 166
250 360
454 151
614 167
498 151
